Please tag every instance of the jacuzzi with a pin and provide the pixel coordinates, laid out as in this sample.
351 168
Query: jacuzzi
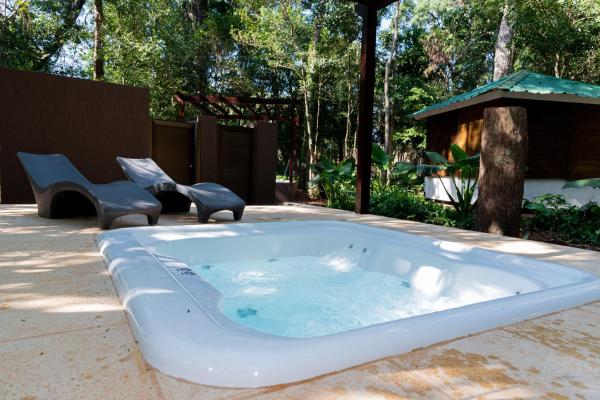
250 305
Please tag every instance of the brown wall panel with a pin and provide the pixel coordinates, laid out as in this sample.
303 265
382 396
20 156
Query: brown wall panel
90 122
265 163
173 149
584 149
550 127
235 160
207 152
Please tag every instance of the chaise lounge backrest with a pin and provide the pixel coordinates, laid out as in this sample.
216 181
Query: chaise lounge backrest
44 170
146 173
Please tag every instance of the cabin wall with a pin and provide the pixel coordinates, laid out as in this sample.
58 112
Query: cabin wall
564 138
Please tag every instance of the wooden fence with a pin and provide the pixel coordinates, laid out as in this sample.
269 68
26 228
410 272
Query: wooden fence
242 159
90 122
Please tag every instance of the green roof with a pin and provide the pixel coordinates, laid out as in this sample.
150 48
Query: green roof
521 82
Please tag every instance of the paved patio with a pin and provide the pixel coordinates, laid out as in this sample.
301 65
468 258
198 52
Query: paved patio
64 335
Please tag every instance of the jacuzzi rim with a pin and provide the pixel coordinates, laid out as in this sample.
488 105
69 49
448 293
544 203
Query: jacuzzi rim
591 287
233 326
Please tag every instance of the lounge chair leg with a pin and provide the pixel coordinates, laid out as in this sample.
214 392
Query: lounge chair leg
105 223
153 219
202 218
237 214
203 214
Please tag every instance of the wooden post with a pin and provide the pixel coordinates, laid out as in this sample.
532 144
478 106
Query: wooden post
264 158
502 173
365 107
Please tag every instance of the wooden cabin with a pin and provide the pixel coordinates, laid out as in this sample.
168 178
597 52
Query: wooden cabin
563 119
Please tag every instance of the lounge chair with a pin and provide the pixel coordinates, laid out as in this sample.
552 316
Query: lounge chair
61 190
208 197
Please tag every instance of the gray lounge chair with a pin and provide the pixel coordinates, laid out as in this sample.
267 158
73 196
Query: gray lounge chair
208 197
60 190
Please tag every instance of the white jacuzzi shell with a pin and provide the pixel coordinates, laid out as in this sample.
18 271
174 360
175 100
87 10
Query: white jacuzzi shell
181 331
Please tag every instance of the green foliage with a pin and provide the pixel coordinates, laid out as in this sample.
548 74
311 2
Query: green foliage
557 220
337 181
592 182
398 202
558 38
464 170
305 49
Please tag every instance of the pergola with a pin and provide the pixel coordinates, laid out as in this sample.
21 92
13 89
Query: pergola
367 9
248 109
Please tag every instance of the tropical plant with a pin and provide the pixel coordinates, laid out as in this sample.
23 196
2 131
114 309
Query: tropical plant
400 202
381 163
554 219
337 181
463 173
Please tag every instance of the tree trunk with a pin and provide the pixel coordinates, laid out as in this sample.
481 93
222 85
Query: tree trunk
310 80
503 55
309 133
502 173
348 122
197 11
387 104
98 40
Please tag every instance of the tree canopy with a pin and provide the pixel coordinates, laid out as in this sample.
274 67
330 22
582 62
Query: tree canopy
306 49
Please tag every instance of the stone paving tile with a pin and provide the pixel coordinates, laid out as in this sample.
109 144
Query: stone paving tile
379 380
172 388
500 365
553 357
98 363
573 333
594 307
39 309
24 267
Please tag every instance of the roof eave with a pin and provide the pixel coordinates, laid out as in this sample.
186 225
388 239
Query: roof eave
502 94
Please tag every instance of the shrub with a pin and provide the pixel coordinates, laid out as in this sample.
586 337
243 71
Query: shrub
464 167
337 181
397 202
553 216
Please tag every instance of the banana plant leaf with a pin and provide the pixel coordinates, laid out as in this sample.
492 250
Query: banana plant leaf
437 157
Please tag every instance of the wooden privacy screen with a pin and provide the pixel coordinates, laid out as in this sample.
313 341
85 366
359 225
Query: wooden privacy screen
235 159
90 122
242 159
173 149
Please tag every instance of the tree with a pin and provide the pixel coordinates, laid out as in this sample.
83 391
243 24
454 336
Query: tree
502 172
306 39
68 18
98 40
560 38
388 134
503 56
32 33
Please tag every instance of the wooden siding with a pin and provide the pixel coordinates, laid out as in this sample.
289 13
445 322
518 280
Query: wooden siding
564 138
173 149
584 150
90 122
235 160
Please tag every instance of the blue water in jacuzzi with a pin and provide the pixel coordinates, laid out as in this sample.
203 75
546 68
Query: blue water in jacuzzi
312 296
